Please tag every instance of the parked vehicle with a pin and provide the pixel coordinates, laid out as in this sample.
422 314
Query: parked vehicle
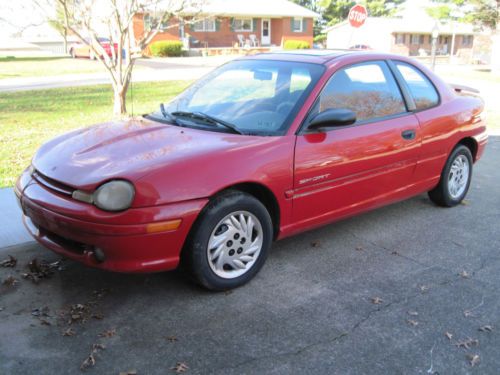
80 49
260 149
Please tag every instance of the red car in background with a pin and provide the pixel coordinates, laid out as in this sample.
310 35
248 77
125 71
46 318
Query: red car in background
262 148
80 49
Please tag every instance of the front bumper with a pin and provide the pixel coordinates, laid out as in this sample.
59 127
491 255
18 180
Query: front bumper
78 230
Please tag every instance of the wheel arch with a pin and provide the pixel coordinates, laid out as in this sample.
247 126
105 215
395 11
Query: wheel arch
471 144
261 193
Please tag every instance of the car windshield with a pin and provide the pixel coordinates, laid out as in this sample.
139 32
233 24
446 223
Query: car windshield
259 97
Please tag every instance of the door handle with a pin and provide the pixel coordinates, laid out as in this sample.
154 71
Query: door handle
408 134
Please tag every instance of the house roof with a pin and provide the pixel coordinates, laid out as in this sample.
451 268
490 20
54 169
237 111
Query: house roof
252 8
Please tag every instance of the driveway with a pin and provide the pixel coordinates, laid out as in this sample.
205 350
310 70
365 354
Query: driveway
410 288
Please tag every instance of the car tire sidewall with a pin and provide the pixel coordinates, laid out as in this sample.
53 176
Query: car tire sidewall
448 199
216 210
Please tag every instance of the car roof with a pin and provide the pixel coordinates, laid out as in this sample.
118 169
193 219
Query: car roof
319 56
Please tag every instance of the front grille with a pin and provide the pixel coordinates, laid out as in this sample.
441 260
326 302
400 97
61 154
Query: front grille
52 184
71 245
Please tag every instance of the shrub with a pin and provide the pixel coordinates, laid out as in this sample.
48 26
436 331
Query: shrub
296 44
166 48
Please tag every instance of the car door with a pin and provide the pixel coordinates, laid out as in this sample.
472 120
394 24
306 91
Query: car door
351 168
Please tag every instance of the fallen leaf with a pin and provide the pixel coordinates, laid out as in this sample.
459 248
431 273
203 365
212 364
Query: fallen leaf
473 359
45 322
464 274
180 367
10 262
395 253
486 328
228 292
90 360
468 313
10 281
40 270
315 244
377 300
412 322
467 343
69 332
108 333
129 372
423 288
41 311
412 313
359 248
171 338
448 335
465 202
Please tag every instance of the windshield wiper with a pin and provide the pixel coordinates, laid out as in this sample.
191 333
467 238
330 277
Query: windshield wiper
167 115
207 119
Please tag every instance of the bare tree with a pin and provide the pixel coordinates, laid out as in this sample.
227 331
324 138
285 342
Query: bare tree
90 19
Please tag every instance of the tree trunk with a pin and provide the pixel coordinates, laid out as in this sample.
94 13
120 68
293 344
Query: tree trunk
120 96
65 37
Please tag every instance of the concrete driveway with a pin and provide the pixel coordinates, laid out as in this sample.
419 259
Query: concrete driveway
406 289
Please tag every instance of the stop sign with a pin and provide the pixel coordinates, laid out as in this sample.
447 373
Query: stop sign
357 15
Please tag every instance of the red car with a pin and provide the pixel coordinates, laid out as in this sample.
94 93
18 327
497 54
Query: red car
81 49
262 148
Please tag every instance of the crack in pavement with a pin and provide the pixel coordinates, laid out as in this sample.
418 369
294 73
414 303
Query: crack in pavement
351 330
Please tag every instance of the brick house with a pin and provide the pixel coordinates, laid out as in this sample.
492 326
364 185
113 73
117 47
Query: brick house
233 23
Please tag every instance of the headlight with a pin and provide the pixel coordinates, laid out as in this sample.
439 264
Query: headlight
114 196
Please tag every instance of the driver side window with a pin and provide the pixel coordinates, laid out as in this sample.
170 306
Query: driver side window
368 89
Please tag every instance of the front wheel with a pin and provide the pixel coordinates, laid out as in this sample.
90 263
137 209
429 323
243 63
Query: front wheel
455 178
229 242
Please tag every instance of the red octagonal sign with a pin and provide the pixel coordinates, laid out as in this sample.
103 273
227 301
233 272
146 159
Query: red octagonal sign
357 15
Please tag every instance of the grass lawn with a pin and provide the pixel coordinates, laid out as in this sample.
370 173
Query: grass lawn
16 67
29 118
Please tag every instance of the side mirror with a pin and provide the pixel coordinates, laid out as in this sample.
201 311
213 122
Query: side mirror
332 118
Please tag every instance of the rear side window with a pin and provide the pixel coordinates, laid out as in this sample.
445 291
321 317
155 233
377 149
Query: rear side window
423 91
368 89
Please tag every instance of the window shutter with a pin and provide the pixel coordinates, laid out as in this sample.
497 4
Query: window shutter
254 24
291 25
304 25
217 24
231 23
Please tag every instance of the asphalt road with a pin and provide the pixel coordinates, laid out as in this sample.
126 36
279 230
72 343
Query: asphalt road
311 309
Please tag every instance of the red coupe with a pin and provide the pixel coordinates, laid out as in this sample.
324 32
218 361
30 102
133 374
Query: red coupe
262 148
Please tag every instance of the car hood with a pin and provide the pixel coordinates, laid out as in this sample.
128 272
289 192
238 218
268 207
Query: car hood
128 150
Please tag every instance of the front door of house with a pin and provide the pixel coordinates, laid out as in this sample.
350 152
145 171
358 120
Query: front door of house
265 38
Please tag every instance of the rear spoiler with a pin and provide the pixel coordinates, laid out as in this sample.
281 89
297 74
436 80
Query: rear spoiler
461 89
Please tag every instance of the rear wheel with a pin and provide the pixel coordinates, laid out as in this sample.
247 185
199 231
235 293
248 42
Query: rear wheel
455 178
228 244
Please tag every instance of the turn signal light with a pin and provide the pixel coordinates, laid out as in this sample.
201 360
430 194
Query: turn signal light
163 226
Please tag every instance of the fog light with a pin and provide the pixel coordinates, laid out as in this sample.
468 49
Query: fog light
99 255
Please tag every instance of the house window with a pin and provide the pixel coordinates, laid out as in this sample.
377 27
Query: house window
151 22
207 24
400 38
467 40
417 39
243 24
298 25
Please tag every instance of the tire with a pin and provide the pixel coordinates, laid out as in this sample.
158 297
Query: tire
455 178
218 254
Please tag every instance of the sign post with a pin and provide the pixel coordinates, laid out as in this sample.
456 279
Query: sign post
357 16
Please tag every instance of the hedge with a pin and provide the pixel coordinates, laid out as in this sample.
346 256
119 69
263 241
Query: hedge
296 44
166 48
